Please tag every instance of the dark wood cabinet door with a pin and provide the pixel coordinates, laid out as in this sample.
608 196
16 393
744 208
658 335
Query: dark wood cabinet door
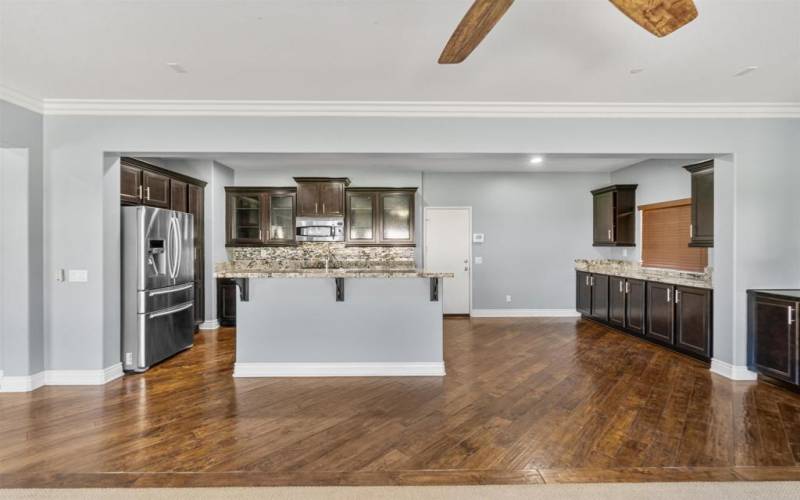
635 306
604 218
226 302
693 320
702 228
396 217
178 196
600 296
331 198
774 343
130 179
281 221
616 301
361 222
196 206
583 293
308 199
660 312
156 189
245 216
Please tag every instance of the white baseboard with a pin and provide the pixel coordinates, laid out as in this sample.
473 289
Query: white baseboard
733 372
25 383
60 377
433 369
525 313
211 324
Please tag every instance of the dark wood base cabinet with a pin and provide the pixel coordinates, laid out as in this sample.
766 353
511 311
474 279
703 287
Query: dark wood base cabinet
677 317
226 301
773 337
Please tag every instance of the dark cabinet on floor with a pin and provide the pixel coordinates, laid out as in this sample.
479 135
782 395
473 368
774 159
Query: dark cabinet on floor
677 316
773 337
614 215
145 184
260 216
380 216
320 196
226 301
701 230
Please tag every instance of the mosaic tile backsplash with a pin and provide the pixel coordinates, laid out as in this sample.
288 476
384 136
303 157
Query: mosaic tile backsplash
313 255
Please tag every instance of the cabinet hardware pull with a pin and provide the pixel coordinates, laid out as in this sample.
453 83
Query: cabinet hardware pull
691 230
669 294
259 234
677 296
592 280
609 235
789 311
323 208
627 287
620 287
139 190
316 207
587 281
147 190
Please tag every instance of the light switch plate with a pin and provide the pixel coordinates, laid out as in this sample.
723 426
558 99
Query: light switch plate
78 275
477 238
479 260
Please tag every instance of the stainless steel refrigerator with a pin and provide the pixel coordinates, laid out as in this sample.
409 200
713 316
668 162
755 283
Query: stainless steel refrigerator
157 285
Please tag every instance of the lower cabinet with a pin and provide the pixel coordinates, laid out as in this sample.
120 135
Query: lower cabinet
773 336
226 301
679 317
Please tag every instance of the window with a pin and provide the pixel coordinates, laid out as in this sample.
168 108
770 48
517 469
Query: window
665 237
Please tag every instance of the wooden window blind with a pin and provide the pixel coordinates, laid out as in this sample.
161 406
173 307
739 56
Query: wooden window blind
665 237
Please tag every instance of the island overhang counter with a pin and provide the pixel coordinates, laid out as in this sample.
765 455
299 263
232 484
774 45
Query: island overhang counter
337 322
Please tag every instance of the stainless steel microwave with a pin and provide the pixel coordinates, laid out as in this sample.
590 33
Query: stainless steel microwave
320 229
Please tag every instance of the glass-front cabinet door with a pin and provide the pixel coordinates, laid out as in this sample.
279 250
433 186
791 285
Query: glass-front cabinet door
245 210
361 220
397 217
281 217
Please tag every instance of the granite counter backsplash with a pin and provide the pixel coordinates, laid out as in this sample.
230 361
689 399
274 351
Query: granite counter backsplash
309 255
628 269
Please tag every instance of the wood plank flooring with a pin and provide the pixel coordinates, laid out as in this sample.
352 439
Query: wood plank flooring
525 400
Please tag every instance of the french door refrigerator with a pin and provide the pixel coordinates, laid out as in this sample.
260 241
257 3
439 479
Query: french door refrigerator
157 285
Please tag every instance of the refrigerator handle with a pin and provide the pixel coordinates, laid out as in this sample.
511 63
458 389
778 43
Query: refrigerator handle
171 250
178 246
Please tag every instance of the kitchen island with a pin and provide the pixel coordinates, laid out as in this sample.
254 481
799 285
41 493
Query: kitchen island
337 322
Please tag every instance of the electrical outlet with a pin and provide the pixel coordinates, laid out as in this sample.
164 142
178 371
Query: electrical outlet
508 299
78 275
479 260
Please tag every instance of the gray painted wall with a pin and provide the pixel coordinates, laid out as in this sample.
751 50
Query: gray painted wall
535 226
765 151
22 343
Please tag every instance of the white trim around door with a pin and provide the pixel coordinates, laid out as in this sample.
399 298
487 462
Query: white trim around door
468 209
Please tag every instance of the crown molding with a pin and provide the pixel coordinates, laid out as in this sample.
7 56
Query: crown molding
21 99
124 107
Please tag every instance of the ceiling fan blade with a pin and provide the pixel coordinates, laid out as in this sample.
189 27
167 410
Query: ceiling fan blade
659 17
477 23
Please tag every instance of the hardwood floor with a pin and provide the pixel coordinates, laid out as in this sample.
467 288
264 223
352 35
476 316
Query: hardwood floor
524 401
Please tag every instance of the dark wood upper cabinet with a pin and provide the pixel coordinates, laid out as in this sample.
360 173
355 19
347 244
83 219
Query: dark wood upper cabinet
599 296
702 226
616 301
130 184
773 335
178 195
635 306
320 196
614 209
693 320
156 189
660 312
583 293
280 217
260 216
380 216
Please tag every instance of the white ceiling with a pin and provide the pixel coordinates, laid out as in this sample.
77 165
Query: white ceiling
466 162
542 51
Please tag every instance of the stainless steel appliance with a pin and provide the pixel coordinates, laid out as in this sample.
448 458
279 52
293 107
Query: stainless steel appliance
157 285
320 229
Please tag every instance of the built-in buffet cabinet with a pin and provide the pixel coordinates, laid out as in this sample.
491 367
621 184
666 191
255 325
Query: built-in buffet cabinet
773 336
676 316
614 209
260 216
144 184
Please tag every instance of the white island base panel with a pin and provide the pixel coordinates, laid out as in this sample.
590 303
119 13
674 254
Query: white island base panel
292 327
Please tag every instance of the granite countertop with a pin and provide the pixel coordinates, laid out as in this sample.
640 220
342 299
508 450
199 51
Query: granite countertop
226 270
627 269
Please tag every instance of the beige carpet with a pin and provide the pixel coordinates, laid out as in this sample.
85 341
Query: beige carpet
666 491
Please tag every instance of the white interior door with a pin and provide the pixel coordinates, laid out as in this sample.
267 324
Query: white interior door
447 248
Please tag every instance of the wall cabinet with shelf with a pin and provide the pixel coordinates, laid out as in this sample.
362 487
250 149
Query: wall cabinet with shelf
260 216
380 216
614 215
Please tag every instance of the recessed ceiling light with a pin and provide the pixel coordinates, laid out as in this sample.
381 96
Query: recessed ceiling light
176 67
636 71
536 160
746 70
